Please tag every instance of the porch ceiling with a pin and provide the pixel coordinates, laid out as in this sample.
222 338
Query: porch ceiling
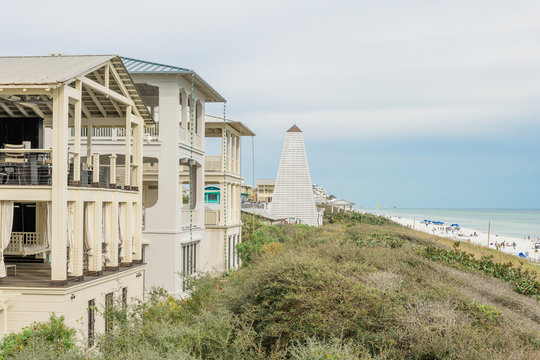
30 72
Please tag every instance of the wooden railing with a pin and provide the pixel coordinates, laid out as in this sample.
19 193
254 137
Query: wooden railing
20 240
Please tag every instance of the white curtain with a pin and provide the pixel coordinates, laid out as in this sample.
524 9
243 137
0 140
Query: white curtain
6 224
48 225
121 224
133 226
89 228
106 219
71 235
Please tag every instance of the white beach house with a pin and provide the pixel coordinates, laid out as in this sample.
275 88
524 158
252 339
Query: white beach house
70 225
223 220
174 236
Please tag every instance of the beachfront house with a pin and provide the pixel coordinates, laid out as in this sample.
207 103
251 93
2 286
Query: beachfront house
222 219
70 237
173 172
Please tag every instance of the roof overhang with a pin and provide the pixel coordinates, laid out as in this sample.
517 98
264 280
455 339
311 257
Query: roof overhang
214 126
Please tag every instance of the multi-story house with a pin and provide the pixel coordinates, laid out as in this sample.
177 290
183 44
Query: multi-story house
224 180
70 226
176 244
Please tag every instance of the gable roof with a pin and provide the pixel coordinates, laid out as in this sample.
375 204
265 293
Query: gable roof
47 70
53 71
135 66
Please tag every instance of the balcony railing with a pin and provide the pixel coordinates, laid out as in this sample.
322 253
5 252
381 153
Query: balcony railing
25 243
211 217
215 163
25 167
150 133
190 218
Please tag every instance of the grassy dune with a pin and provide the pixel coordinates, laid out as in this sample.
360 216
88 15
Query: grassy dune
358 288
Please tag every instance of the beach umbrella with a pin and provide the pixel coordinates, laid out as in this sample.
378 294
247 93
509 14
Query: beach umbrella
454 225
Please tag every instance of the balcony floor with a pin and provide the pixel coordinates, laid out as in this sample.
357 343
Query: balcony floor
39 275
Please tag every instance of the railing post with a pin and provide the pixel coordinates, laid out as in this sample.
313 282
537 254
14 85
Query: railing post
112 171
95 173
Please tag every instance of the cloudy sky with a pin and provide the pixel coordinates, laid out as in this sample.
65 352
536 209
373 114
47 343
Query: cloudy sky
403 103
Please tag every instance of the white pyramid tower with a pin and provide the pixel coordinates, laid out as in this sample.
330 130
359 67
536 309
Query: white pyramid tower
293 193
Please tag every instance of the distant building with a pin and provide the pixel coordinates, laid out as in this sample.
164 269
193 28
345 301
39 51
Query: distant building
265 190
293 194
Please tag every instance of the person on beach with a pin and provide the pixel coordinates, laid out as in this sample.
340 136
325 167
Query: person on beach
514 245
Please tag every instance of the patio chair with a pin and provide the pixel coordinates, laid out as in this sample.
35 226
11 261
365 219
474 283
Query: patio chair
14 163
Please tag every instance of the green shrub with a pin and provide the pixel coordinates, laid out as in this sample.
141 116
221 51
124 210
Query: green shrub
523 280
52 336
353 218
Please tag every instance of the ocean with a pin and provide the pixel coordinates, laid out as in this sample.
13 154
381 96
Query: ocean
514 223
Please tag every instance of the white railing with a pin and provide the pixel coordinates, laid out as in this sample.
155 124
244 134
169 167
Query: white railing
211 217
215 163
150 132
190 217
19 240
25 167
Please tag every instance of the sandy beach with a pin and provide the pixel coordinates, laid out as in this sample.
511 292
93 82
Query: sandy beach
523 246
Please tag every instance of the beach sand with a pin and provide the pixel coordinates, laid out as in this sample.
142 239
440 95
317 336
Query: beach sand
464 234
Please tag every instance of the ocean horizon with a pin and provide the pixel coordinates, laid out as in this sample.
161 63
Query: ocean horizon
504 222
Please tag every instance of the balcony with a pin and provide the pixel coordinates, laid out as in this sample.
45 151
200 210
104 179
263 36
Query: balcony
215 163
25 167
190 218
211 217
151 133
186 137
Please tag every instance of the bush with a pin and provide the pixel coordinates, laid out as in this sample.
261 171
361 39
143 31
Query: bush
353 218
523 281
52 337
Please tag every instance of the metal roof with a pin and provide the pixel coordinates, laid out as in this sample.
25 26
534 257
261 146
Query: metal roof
216 122
47 70
266 182
135 66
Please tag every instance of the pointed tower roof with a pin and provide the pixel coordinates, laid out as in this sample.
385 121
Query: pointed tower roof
293 194
294 128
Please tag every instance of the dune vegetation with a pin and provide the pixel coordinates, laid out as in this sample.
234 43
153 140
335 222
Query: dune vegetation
359 287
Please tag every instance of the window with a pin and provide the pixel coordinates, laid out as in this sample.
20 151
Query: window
189 262
109 300
91 322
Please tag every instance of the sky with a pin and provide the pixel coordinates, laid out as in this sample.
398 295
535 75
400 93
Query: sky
424 104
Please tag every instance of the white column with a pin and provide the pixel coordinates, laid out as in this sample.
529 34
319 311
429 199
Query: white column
137 214
127 163
113 235
127 244
77 137
238 152
59 185
95 261
89 131
222 198
78 251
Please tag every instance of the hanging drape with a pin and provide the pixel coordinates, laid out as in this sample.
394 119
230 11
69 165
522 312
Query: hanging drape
133 226
121 224
105 221
88 228
71 236
6 224
48 227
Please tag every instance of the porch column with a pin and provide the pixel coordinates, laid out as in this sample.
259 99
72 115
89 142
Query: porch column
95 262
78 251
113 236
138 156
222 198
59 186
127 179
137 213
238 152
127 242
77 138
89 131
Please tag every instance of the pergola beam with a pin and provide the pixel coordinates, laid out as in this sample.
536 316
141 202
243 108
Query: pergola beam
107 92
7 109
96 101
